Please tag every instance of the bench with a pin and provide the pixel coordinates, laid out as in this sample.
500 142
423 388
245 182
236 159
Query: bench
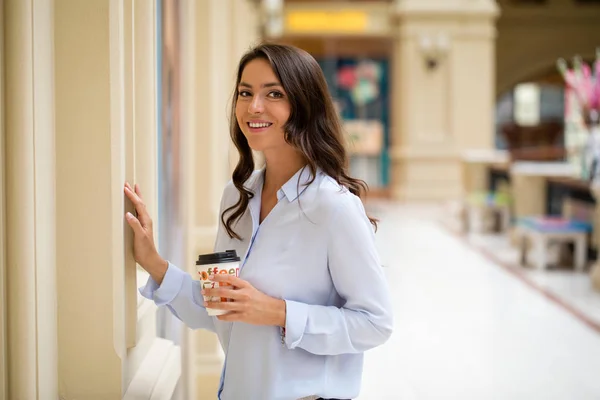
542 231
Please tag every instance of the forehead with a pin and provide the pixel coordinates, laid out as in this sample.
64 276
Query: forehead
258 71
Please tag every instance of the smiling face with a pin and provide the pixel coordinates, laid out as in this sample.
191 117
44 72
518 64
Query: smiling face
262 107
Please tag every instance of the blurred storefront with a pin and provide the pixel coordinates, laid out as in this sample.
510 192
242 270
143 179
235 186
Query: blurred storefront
354 46
396 70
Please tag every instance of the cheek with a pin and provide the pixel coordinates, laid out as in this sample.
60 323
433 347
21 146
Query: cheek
283 114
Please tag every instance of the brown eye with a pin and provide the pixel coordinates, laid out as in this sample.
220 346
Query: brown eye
276 95
244 93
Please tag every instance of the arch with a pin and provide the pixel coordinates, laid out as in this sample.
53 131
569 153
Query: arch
531 71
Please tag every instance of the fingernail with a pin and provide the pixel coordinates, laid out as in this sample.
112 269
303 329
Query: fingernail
203 292
211 277
129 215
205 304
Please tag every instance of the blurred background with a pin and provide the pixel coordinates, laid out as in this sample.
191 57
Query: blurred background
474 123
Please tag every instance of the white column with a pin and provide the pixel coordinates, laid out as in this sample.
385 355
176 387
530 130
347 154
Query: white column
30 200
90 153
443 100
215 34
105 123
203 113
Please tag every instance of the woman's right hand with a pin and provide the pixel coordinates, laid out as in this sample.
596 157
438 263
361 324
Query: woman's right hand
144 250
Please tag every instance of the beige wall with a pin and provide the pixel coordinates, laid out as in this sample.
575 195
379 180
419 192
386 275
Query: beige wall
532 38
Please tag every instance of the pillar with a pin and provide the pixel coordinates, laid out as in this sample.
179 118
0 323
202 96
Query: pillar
443 93
105 84
528 194
216 33
3 306
30 200
90 165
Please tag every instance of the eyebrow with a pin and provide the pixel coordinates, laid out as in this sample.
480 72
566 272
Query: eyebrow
264 85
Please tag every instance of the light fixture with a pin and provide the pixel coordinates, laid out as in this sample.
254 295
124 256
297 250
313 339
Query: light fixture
272 12
433 48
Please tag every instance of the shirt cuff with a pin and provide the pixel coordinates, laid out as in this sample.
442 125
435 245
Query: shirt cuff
168 289
296 317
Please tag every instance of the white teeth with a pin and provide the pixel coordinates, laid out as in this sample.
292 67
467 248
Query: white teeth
259 124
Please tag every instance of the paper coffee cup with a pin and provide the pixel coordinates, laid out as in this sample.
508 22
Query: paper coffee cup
226 262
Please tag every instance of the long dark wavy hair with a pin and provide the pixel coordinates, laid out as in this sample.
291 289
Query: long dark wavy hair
313 127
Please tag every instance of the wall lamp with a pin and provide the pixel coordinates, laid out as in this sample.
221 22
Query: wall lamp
434 48
272 17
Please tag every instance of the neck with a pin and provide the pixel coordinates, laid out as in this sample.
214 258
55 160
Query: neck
280 167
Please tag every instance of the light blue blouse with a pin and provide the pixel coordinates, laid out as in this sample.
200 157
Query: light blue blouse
316 251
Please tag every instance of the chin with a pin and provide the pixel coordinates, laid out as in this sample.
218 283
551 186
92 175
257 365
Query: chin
256 144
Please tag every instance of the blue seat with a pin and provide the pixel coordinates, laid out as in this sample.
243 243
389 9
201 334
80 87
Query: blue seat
555 224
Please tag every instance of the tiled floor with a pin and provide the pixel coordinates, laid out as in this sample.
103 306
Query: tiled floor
567 287
466 328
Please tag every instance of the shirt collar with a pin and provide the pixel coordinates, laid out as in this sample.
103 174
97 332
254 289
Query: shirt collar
255 182
292 189
297 184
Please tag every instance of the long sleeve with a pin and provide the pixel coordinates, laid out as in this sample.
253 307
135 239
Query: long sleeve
181 294
365 320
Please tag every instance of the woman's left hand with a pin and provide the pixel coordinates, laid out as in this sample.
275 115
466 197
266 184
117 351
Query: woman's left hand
249 305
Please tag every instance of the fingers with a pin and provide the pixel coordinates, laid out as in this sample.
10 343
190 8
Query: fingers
232 294
138 203
134 223
225 305
231 279
138 191
231 317
135 199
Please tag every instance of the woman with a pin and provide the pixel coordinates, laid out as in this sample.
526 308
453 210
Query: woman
311 296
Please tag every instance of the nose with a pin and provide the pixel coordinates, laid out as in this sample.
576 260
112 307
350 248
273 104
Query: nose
256 105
